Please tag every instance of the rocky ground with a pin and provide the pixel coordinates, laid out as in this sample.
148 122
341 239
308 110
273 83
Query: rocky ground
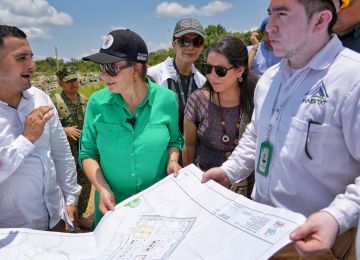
48 83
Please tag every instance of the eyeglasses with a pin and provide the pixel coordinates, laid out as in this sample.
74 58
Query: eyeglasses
219 70
112 69
307 138
185 42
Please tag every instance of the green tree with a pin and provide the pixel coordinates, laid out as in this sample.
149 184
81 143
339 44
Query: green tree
48 66
159 56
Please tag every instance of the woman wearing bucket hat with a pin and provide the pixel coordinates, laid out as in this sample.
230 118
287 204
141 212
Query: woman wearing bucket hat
124 122
179 74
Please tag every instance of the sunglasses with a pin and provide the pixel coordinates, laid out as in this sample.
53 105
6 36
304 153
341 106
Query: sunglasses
112 69
185 42
219 70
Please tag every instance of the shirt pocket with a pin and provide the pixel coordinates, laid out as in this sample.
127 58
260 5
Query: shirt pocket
107 136
156 137
304 144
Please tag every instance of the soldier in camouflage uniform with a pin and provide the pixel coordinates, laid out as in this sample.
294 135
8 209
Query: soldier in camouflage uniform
71 106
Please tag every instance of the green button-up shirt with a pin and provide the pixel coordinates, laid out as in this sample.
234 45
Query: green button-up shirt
131 158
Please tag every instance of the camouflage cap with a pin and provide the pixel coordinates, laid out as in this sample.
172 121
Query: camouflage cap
67 73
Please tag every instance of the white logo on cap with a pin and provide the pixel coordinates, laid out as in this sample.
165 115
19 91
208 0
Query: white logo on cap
107 42
141 56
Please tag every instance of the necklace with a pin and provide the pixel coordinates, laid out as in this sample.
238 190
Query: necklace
225 137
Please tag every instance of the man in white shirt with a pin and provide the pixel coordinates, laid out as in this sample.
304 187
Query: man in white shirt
303 140
38 186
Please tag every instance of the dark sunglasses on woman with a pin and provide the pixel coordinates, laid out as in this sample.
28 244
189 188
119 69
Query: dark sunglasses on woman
112 69
185 42
219 70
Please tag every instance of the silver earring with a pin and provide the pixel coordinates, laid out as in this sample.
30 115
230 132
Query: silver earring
241 79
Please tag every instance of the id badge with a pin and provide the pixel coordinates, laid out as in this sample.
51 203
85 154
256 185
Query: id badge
264 158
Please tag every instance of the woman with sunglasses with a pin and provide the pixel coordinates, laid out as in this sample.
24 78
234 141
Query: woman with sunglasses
217 114
130 138
179 74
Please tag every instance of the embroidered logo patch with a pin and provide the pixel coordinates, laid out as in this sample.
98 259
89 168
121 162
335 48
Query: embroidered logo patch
142 56
317 95
107 42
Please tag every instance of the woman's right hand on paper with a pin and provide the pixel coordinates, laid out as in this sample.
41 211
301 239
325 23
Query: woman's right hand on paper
106 200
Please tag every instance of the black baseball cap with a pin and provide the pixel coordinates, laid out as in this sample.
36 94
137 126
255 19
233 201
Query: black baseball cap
121 44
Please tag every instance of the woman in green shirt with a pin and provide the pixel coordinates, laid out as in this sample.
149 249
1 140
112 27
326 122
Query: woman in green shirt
130 138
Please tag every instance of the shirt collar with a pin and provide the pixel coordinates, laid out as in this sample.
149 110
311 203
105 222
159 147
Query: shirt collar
67 99
263 46
171 69
325 57
322 60
116 98
27 94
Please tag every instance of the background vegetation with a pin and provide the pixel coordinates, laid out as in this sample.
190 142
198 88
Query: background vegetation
49 66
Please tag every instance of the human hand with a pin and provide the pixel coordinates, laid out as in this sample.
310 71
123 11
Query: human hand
35 122
106 200
73 132
317 235
173 167
253 39
72 212
216 174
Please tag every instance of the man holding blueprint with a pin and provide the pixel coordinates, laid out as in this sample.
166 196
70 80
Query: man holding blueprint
303 140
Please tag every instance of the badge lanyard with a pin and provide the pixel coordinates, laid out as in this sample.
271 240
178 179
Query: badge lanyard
181 89
266 147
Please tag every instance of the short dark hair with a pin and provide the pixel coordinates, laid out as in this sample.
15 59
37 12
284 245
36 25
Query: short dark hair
10 31
311 7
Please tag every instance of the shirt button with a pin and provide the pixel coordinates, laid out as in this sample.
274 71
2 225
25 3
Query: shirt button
132 174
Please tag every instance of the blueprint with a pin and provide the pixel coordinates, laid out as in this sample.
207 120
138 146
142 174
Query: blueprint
177 218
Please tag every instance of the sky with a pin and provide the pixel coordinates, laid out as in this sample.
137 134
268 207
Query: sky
76 28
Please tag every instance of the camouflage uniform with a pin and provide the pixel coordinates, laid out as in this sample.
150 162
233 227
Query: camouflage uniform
73 115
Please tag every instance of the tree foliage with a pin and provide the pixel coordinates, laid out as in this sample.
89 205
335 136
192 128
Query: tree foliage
49 66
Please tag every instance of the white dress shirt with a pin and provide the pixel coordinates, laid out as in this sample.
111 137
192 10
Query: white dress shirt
36 180
327 92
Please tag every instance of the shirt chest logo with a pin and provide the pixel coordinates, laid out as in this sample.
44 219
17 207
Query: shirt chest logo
317 95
